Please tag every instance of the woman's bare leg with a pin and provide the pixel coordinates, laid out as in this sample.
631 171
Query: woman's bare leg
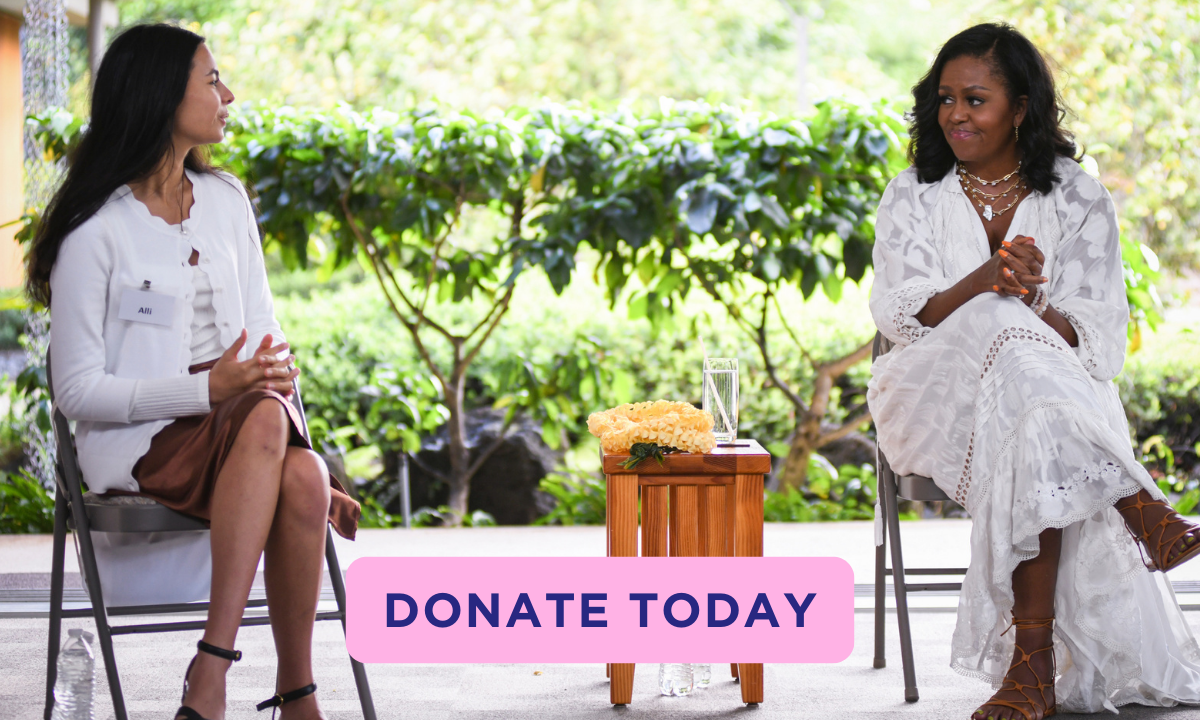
243 509
1033 584
294 559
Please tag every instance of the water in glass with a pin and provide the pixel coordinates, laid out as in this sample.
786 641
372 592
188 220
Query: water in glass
720 396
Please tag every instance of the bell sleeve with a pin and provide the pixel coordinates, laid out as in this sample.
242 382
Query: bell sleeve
908 270
1089 286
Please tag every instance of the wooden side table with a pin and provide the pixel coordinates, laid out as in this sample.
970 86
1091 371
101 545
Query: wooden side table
692 505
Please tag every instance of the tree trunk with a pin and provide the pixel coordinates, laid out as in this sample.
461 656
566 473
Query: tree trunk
460 454
794 472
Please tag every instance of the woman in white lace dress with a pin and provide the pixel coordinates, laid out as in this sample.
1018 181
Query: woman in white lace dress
999 279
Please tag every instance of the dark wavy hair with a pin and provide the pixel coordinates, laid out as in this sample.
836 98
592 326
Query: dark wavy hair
139 86
1024 72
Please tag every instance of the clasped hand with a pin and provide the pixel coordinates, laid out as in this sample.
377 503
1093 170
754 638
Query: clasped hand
263 371
1015 270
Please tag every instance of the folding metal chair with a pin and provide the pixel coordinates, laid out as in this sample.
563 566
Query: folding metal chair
892 489
86 512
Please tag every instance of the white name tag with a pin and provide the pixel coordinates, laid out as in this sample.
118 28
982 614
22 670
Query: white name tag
146 306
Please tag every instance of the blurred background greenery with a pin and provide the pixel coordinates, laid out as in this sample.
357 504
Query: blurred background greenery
1129 73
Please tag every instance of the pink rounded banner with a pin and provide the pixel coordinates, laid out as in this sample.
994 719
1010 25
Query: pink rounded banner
590 609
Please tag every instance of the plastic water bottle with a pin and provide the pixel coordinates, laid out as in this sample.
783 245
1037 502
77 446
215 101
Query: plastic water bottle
76 678
676 679
703 674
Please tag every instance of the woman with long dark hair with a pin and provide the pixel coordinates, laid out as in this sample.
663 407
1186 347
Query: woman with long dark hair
998 277
165 350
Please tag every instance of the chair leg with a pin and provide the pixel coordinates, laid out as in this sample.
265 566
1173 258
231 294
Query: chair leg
58 560
92 577
892 511
339 594
881 596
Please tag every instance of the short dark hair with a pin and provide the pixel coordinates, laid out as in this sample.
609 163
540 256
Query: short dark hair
141 82
1024 72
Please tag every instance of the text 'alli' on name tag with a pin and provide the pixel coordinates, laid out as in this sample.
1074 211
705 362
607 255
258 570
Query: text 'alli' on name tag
146 306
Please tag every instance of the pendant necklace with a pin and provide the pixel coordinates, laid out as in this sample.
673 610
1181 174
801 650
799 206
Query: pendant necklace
182 188
975 193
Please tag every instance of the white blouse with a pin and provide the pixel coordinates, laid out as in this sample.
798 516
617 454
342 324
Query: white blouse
206 335
100 362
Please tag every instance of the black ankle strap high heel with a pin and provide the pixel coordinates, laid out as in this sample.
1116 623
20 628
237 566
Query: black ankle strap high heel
184 711
281 698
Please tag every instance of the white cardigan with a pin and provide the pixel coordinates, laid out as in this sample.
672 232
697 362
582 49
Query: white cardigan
100 362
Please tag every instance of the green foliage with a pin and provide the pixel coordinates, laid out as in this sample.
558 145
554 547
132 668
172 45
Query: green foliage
443 515
845 493
1160 391
1129 73
581 499
25 506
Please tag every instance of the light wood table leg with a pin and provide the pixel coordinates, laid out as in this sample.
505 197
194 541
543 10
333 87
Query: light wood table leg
750 675
622 534
620 684
685 510
748 542
712 521
654 521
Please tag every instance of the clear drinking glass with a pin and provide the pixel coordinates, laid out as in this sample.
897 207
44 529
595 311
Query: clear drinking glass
720 396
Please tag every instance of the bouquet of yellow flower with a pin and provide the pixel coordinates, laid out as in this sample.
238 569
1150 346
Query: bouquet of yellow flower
677 425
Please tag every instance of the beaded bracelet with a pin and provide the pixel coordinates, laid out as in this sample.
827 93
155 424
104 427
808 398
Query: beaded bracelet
1041 301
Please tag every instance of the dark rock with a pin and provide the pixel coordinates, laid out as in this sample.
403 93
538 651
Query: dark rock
506 487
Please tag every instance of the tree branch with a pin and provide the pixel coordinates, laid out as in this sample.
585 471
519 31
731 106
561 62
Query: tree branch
412 328
803 351
437 474
377 262
503 305
479 461
855 421
837 368
769 366
437 248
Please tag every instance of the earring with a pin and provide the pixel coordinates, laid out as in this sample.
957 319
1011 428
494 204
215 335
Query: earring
1017 132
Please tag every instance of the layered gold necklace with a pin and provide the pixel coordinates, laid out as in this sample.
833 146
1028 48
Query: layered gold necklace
986 200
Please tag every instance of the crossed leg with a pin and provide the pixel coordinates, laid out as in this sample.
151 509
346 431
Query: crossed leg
274 497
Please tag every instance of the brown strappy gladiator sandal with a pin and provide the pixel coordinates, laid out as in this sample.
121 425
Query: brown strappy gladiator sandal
1034 706
1175 534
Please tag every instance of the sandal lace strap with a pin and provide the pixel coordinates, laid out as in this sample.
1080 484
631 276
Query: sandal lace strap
281 698
233 655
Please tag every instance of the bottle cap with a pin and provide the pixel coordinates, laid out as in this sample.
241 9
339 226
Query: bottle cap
74 632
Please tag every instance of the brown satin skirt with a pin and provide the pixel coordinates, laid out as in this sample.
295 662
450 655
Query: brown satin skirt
180 469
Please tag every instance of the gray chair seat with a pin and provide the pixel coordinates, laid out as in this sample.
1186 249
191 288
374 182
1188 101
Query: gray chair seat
134 513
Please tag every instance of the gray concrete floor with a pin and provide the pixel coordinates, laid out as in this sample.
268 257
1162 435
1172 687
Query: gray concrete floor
152 665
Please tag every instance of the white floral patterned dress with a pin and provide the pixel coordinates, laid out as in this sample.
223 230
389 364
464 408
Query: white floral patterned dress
1027 433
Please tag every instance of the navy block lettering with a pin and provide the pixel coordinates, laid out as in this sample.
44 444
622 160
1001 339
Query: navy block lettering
527 614
761 611
800 608
559 599
642 599
713 599
588 611
455 610
392 599
670 616
491 614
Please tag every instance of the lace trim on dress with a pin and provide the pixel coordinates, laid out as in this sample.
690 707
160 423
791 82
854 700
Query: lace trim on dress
903 300
1005 336
1085 332
1014 333
1126 656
